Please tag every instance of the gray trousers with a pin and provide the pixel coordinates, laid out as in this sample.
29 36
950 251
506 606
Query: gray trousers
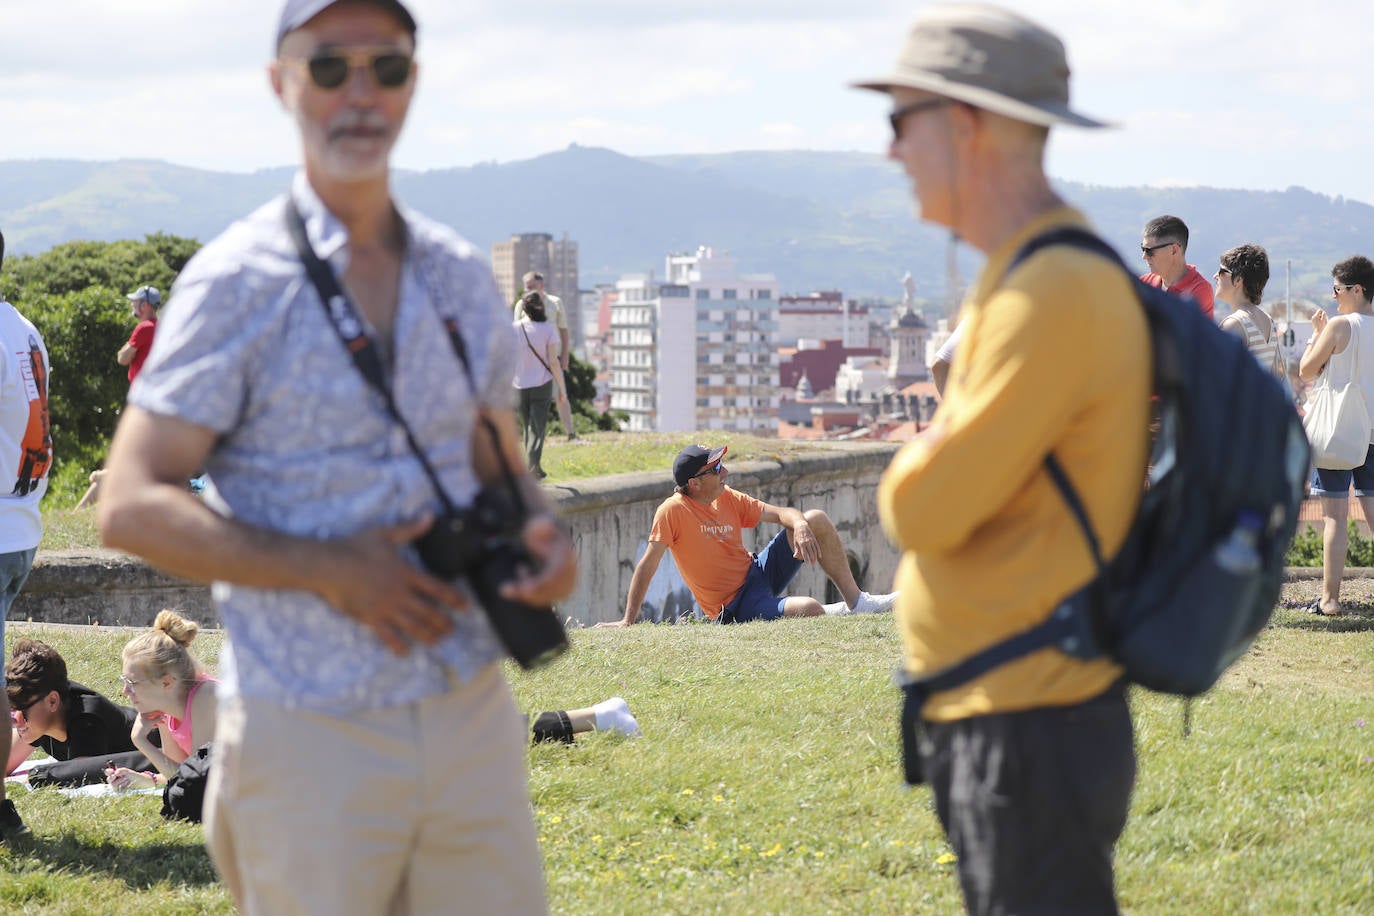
534 419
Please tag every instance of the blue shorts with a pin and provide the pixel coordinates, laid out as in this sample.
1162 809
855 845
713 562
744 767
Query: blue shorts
768 577
14 570
1336 484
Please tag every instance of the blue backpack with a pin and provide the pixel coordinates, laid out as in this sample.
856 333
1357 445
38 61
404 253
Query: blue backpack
1199 572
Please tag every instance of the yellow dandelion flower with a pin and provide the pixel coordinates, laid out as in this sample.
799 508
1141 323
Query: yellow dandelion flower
688 792
777 848
946 858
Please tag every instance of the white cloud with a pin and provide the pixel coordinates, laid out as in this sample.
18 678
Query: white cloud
1230 93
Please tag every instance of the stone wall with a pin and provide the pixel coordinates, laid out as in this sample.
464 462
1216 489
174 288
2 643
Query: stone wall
609 519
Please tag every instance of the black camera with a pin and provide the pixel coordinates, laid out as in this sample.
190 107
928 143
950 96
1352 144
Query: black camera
483 543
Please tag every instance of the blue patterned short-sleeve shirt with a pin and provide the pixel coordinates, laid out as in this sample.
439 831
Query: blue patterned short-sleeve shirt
305 446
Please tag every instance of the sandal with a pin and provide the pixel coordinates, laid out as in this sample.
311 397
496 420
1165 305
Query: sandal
1317 608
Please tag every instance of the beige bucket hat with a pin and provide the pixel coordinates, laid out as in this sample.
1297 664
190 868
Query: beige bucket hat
990 58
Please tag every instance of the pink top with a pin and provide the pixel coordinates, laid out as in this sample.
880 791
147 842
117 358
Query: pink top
180 729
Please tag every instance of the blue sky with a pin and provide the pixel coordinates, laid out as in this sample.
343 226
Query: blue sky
1225 93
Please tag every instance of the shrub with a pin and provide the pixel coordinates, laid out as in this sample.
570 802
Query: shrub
1306 549
74 293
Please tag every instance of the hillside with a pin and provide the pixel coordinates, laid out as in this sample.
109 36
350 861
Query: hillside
815 219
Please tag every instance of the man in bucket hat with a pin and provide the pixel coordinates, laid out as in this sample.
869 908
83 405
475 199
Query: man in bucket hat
702 523
1030 765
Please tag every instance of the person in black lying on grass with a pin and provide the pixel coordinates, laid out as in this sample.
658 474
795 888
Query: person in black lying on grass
82 730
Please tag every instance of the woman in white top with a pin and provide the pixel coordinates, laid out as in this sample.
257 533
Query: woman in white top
1343 346
538 374
1240 284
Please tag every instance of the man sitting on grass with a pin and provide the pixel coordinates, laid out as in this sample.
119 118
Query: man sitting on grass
701 523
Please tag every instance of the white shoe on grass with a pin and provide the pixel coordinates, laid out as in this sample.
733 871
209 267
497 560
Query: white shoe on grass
874 604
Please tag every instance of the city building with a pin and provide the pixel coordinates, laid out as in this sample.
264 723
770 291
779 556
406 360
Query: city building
818 361
822 315
556 259
696 350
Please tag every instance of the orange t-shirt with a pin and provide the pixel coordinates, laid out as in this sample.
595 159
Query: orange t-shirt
707 543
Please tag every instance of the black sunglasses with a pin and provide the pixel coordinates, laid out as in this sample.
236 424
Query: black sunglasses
330 70
714 469
1226 270
895 117
1151 249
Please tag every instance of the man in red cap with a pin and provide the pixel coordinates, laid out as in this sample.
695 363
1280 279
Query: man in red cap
702 524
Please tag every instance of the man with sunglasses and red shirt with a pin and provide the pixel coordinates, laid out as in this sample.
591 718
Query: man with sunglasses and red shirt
702 524
340 366
1165 250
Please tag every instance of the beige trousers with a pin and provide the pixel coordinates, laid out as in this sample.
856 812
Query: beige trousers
420 808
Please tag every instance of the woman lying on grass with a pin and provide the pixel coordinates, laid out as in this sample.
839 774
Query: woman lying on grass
74 725
174 696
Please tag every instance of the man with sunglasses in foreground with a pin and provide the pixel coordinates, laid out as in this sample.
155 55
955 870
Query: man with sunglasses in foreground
341 368
702 523
1164 246
1031 764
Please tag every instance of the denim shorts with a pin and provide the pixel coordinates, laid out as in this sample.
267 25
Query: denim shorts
14 570
1337 483
772 571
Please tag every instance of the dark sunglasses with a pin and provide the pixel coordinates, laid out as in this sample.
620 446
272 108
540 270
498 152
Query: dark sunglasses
17 709
1148 250
1336 290
1226 270
390 69
714 469
895 117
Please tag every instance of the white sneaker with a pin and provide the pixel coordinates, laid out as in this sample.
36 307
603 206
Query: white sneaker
874 604
613 715
838 609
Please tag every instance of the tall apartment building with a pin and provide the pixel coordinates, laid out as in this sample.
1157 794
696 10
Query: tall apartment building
696 351
556 259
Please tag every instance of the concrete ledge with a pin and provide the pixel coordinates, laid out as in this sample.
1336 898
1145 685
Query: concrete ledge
106 587
608 517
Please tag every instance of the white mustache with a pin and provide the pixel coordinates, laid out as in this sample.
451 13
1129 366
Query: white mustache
357 120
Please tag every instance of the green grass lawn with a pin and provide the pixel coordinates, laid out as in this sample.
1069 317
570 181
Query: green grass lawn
767 782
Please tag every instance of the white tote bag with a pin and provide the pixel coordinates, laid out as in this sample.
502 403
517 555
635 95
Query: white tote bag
1337 422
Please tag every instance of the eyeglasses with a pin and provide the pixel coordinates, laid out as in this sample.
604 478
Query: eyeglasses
18 712
1223 271
390 69
1148 250
129 682
715 469
895 117
1336 290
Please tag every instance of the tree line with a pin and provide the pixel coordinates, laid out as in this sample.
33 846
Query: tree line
75 294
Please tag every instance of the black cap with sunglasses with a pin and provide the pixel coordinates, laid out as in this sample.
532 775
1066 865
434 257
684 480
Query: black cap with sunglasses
296 13
693 459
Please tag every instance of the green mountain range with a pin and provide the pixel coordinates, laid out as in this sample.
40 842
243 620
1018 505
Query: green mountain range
817 220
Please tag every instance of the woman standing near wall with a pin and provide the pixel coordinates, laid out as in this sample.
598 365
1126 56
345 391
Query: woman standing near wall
538 375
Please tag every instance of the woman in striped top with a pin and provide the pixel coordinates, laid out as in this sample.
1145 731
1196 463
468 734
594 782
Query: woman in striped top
1240 284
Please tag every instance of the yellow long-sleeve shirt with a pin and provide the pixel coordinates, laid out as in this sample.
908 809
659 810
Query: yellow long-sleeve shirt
1054 357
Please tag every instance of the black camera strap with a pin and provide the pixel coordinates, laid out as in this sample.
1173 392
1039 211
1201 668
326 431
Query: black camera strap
347 323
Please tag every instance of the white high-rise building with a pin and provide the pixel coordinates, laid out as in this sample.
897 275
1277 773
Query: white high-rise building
697 350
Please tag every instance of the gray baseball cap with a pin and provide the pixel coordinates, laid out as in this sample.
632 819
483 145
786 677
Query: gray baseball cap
296 13
148 294
990 58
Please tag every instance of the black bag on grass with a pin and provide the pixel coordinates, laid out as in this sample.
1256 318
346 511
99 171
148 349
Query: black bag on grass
184 795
